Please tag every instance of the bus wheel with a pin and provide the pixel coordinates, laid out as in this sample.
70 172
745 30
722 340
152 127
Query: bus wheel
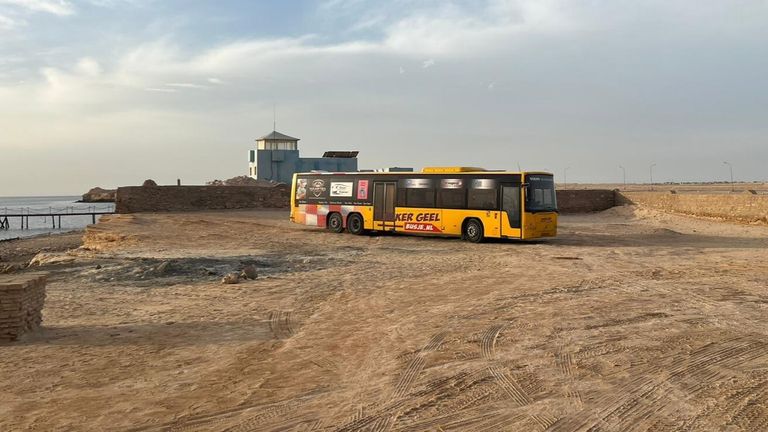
335 223
473 231
355 224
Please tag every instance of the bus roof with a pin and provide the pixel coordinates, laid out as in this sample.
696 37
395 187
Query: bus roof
417 173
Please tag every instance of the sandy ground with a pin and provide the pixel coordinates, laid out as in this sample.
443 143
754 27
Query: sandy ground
630 320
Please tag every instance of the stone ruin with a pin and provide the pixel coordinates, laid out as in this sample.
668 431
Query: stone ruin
22 298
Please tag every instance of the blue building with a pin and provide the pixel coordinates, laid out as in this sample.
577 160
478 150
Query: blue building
276 158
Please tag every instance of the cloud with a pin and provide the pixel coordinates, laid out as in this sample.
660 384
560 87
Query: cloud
88 67
615 85
7 23
55 7
160 90
187 86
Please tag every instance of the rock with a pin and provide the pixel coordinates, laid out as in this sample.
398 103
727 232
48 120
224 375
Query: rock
249 272
98 194
98 266
163 267
231 278
149 183
44 258
8 268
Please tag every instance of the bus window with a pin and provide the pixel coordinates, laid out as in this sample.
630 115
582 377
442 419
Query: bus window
418 193
483 195
420 198
541 196
451 198
482 199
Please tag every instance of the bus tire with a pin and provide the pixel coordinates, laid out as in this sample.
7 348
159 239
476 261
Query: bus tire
335 222
355 224
473 231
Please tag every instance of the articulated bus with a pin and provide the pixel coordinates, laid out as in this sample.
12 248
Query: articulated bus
445 201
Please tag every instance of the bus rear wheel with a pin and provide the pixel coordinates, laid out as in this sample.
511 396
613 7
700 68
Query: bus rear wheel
355 224
335 223
473 231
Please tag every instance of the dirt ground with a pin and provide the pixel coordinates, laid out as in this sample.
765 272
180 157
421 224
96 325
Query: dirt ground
707 188
629 320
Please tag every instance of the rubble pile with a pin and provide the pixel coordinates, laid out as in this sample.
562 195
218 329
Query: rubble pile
243 181
21 303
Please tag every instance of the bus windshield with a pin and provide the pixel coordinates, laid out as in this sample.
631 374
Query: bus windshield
540 196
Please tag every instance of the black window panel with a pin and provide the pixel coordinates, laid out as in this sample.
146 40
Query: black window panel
419 197
452 198
483 199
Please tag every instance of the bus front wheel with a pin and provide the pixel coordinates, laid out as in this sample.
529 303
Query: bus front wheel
355 224
473 231
335 223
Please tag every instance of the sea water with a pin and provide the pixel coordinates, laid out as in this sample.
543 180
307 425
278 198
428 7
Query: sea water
39 209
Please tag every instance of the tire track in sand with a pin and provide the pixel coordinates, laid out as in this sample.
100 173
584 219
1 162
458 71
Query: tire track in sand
281 324
510 386
488 342
565 363
416 365
647 396
222 420
383 419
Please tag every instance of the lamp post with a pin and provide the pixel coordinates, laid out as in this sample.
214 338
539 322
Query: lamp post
565 178
624 176
730 167
650 170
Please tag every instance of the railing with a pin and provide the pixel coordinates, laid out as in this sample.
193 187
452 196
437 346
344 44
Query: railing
55 213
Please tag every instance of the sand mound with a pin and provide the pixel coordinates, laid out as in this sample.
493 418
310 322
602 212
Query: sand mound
102 236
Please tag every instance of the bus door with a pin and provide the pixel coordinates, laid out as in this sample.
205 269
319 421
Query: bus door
511 213
384 205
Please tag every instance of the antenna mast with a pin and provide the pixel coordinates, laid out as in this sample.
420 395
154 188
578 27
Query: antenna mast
274 117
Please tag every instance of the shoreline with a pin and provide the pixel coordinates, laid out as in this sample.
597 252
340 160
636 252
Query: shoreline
46 234
15 254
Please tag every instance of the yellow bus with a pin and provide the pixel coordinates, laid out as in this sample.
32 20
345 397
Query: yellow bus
443 201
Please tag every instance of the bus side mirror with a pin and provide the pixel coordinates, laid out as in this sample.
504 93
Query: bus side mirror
524 187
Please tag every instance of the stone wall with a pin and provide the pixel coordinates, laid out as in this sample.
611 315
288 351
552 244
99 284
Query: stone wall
139 199
585 200
21 304
741 207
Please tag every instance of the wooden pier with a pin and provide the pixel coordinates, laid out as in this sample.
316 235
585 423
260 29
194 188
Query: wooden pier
23 216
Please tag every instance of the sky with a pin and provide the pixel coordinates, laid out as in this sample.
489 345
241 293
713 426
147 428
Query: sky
113 92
